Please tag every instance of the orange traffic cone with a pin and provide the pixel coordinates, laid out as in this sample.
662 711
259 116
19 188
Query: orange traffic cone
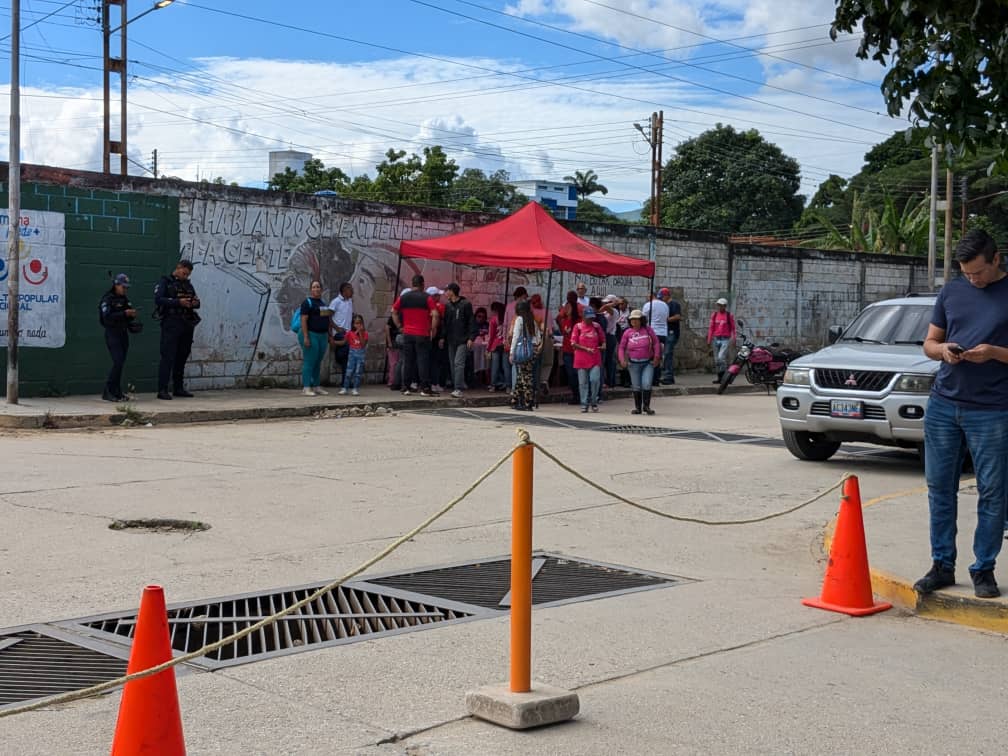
847 585
149 718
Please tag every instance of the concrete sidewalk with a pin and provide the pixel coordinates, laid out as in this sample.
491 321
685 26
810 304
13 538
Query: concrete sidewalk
258 404
896 531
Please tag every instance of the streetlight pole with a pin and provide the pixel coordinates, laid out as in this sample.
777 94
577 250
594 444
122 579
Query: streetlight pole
14 206
118 65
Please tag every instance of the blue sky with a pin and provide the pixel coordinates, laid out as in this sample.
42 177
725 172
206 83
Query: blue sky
537 87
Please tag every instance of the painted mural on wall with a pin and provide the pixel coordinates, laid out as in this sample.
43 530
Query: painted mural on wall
254 265
42 288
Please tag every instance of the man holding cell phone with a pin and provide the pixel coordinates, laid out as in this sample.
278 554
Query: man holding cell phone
967 412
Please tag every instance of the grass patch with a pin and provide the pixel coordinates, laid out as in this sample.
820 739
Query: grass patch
131 416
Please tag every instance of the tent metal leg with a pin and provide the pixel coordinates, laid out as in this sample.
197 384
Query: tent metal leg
507 285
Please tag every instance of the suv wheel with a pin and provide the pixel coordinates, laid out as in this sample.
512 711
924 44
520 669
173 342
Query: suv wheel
811 447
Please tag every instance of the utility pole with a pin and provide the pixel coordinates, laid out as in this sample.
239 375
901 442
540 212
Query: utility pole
14 206
657 128
654 139
932 226
154 162
947 256
112 65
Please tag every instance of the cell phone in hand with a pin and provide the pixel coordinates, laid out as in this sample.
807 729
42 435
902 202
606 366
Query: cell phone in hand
956 349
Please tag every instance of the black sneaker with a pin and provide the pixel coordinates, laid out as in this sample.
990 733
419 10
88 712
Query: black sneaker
182 394
163 395
937 577
109 397
984 585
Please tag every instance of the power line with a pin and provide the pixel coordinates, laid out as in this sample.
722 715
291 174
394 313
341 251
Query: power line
722 41
642 68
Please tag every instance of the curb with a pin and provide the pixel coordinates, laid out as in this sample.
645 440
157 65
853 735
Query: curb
392 400
943 605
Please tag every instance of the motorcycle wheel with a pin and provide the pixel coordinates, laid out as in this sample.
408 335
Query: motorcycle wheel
726 381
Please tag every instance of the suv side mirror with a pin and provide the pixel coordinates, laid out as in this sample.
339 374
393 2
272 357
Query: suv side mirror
835 332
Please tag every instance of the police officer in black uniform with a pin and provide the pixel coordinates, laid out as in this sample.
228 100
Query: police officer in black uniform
117 315
176 302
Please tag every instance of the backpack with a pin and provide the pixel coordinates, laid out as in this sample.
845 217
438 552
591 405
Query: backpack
295 319
295 324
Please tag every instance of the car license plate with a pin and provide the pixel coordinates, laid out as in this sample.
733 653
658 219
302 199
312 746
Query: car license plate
844 408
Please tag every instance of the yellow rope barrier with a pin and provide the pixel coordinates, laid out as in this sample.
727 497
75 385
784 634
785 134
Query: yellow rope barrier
523 440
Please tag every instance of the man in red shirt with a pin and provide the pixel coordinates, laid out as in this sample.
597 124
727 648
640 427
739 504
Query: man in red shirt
416 315
720 334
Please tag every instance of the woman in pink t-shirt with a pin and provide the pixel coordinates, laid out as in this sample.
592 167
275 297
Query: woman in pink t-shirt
588 342
640 353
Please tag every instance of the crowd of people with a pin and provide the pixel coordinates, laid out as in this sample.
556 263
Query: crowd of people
435 340
602 342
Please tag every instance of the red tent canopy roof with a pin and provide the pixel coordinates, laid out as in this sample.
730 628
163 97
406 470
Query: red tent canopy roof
530 239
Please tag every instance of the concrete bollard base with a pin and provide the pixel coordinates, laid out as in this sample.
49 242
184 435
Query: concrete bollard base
542 705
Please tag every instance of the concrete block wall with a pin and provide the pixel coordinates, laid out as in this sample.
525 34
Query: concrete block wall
256 253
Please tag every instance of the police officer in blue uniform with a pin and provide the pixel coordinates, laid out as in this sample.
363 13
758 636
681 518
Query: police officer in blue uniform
176 302
117 315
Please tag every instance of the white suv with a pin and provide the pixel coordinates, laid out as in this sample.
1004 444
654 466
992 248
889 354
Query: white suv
870 385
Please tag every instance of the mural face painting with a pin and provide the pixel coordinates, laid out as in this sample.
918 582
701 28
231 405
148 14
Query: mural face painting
255 263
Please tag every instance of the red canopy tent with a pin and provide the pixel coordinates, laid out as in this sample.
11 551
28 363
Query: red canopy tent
530 239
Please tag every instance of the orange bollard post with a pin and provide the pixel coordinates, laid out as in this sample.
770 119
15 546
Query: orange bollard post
521 570
518 704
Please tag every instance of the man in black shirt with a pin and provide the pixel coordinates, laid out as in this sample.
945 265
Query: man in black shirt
459 330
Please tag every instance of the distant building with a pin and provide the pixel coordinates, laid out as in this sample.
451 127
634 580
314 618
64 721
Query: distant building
279 160
559 197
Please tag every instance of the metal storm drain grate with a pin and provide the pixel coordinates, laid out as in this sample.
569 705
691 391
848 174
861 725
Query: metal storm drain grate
34 665
645 430
554 579
342 615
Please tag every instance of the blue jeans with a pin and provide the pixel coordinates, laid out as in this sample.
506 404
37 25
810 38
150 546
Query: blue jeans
354 369
641 375
312 357
668 370
588 378
949 431
720 344
498 364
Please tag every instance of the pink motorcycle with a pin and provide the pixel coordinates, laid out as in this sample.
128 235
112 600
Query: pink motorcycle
763 365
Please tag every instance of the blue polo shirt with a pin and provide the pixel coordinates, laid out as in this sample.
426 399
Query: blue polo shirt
972 316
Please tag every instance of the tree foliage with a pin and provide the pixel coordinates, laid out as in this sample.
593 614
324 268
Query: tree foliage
730 181
586 184
432 180
947 60
888 230
593 212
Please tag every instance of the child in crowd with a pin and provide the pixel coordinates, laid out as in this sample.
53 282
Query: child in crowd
495 347
357 340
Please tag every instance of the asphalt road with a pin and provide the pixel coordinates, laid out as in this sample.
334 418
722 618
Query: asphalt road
728 661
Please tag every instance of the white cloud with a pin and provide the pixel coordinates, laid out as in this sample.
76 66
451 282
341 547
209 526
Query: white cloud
223 119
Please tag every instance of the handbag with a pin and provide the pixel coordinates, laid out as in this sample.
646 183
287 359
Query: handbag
524 350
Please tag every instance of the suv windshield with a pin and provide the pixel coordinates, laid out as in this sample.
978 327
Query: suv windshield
889 324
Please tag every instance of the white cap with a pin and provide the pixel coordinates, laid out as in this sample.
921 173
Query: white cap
434 291
723 301
610 298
